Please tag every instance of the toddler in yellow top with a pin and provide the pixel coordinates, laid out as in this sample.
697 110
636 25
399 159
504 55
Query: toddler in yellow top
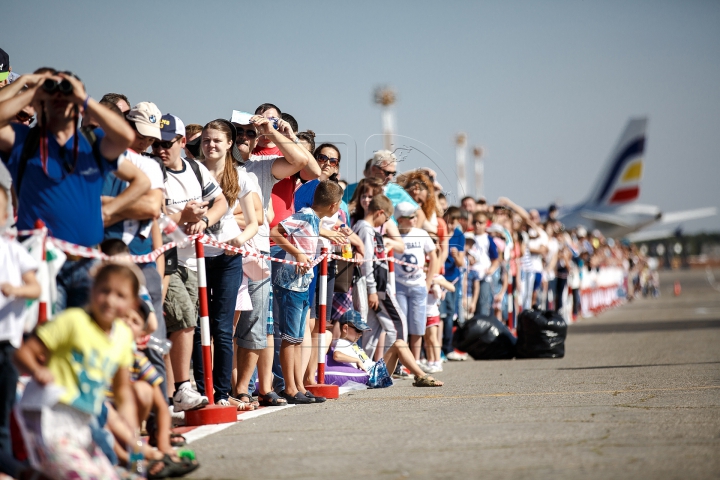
86 351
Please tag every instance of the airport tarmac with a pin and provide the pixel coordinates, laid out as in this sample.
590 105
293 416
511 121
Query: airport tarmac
636 396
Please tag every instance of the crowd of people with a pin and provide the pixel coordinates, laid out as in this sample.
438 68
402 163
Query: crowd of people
118 176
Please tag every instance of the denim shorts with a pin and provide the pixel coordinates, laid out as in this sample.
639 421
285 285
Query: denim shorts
413 302
251 330
293 308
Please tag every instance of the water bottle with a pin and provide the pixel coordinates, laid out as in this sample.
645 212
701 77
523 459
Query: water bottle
346 248
137 466
172 230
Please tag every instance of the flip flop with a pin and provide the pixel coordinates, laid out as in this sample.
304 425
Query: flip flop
271 399
247 398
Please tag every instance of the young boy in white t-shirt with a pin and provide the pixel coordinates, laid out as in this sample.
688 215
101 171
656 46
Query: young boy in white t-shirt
412 285
346 350
17 283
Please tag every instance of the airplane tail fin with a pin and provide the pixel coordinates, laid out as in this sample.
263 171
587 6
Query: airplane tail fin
619 181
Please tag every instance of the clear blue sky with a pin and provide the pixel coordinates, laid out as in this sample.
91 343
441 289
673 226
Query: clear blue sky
544 87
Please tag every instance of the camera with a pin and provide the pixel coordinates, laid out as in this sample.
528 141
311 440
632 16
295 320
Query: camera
274 122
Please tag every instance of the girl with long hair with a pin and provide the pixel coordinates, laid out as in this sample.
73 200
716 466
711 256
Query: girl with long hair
224 269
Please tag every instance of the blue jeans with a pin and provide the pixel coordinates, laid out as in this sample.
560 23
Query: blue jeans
293 308
486 298
8 383
278 380
413 303
73 284
224 275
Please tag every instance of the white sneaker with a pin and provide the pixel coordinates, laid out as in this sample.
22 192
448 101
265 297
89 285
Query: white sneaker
435 367
457 357
223 402
186 398
425 367
178 418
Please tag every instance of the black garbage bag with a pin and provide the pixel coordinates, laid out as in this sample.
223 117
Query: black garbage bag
541 334
485 338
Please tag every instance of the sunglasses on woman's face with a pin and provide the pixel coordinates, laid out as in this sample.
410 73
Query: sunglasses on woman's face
24 117
166 144
325 159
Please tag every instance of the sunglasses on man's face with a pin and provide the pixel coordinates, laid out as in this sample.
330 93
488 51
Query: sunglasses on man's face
325 159
166 144
249 133
387 173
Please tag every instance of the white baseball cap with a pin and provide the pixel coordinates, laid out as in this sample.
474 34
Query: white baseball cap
146 117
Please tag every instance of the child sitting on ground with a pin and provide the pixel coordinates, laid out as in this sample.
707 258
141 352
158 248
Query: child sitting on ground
298 236
346 350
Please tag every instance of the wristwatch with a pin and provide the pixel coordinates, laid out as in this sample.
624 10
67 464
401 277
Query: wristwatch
207 222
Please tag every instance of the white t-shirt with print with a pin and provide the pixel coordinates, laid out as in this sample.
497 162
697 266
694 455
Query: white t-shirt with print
417 244
536 259
353 350
182 187
15 261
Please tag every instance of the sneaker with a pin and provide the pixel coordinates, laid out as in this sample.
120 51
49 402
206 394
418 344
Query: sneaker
457 357
443 358
426 367
435 367
186 398
178 418
400 372
224 402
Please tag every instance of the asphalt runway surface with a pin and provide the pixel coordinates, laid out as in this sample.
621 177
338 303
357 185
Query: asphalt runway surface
636 396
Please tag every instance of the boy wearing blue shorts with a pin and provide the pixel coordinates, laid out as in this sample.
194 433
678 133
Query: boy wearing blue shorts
298 236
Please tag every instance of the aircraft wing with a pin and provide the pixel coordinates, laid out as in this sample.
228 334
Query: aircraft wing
685 215
650 235
609 218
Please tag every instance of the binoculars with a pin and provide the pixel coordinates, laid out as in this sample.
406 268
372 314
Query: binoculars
50 85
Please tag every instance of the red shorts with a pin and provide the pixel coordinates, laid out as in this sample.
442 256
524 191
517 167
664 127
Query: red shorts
433 321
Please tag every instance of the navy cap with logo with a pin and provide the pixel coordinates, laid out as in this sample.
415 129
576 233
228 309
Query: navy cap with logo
170 125
4 65
353 318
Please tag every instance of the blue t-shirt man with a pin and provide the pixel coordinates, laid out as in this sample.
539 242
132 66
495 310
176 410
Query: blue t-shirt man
67 197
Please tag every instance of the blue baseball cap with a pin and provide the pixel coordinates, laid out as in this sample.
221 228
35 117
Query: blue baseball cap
353 318
170 126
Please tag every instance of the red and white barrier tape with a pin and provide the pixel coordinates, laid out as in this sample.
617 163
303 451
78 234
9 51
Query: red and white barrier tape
87 252
389 259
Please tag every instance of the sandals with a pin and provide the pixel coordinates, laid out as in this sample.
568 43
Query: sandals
297 399
247 398
176 440
426 381
242 405
314 398
271 399
171 468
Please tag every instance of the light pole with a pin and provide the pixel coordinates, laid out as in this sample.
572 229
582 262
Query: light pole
385 97
460 161
479 172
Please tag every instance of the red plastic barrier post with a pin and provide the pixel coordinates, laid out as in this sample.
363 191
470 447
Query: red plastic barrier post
511 304
327 391
391 272
212 413
44 289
